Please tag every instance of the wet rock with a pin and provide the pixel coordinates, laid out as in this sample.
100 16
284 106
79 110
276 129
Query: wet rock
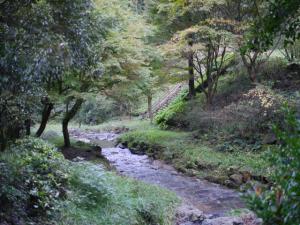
217 179
251 219
223 221
136 151
189 215
230 184
122 145
237 178
78 159
97 150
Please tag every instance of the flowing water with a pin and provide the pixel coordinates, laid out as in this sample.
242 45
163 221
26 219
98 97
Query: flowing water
208 197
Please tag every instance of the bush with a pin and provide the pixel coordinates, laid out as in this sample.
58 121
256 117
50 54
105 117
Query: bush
168 116
280 204
248 118
32 177
273 69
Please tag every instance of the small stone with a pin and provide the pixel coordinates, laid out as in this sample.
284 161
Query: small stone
78 159
122 146
230 184
237 178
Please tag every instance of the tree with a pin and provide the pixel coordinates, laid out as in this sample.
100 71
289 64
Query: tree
22 52
42 42
173 16
131 61
209 57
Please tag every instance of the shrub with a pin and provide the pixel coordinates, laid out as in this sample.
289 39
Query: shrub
168 116
248 118
280 204
32 177
273 69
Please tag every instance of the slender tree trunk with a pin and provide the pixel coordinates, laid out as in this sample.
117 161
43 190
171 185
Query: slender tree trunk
3 140
68 116
192 92
45 117
27 126
150 113
252 74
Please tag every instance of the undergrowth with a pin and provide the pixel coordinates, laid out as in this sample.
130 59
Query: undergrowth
38 186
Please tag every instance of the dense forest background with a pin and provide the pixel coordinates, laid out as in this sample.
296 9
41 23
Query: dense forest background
208 86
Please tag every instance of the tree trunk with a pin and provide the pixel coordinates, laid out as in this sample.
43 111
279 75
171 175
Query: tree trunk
192 92
251 65
68 116
3 140
209 96
45 117
27 126
150 113
251 73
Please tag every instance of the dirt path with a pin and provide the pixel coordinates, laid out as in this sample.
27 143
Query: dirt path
212 199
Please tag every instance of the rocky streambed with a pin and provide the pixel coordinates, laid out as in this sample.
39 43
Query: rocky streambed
203 202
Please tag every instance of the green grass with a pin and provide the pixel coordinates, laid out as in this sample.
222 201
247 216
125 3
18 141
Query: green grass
194 157
98 197
131 124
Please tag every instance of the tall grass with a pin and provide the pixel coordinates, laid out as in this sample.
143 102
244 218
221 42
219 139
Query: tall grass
98 197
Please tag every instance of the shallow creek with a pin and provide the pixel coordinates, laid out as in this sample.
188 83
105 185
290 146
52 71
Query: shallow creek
208 197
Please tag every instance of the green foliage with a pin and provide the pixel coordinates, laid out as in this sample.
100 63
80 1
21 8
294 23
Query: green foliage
280 204
167 117
280 17
33 176
96 110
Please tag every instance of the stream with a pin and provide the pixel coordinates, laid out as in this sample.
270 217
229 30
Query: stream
212 199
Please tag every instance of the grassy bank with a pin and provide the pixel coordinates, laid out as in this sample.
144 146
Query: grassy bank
196 156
